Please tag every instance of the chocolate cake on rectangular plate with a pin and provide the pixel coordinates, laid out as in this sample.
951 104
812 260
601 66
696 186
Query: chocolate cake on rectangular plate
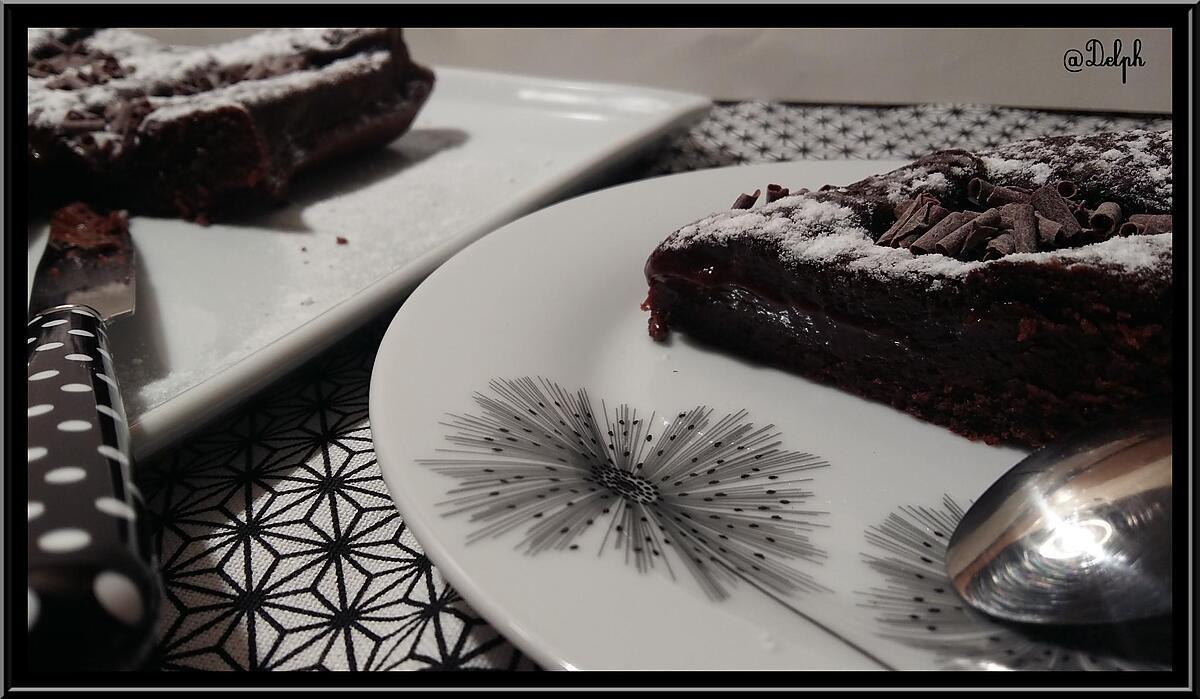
1010 294
120 120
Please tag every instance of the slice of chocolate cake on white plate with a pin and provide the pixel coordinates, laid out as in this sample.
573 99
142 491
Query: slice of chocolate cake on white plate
1011 294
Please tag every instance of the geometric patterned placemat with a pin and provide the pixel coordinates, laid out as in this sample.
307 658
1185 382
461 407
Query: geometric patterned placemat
279 545
281 549
757 132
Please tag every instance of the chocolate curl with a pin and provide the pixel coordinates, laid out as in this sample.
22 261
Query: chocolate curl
1085 236
905 207
907 240
999 246
1066 189
983 193
913 222
953 244
925 244
989 218
1106 219
934 214
776 192
978 237
1007 195
978 191
1147 224
1050 204
745 201
1082 213
914 219
1019 218
1047 232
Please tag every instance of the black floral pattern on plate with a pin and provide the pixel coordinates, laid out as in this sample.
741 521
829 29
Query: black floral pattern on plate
919 607
717 497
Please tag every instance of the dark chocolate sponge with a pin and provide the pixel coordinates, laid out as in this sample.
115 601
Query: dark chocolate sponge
120 120
1017 348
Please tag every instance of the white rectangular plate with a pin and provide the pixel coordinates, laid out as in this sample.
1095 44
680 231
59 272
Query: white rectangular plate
223 310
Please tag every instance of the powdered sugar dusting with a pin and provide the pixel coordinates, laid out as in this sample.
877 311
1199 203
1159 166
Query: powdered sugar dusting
911 182
933 182
157 65
1130 255
253 92
789 219
806 230
1035 171
816 229
154 68
40 38
1134 165
123 43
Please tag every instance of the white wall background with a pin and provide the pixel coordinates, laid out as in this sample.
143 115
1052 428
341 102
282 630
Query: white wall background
1012 67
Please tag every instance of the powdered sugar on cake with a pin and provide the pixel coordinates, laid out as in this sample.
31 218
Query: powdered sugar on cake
157 65
152 68
817 229
1135 164
809 231
908 183
256 91
1035 171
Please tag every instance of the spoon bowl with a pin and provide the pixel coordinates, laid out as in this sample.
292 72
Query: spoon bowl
1079 532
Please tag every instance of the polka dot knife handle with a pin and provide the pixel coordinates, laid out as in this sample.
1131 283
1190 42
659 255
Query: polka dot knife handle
93 586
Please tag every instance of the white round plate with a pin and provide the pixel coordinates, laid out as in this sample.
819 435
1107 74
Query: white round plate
554 297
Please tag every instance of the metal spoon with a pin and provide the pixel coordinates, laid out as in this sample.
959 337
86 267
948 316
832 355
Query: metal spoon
1079 532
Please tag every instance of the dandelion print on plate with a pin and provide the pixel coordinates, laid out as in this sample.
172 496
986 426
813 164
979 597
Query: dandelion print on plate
713 496
919 607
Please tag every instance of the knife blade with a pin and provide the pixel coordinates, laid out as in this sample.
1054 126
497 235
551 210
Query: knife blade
93 588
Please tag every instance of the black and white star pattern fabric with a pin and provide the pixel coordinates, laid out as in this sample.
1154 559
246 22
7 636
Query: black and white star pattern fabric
758 132
279 546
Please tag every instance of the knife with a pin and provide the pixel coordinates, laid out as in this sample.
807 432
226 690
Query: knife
93 589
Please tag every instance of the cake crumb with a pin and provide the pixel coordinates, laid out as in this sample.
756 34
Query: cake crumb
341 240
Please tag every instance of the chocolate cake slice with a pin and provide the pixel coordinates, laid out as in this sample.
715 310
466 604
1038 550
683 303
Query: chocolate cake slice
1010 295
121 120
